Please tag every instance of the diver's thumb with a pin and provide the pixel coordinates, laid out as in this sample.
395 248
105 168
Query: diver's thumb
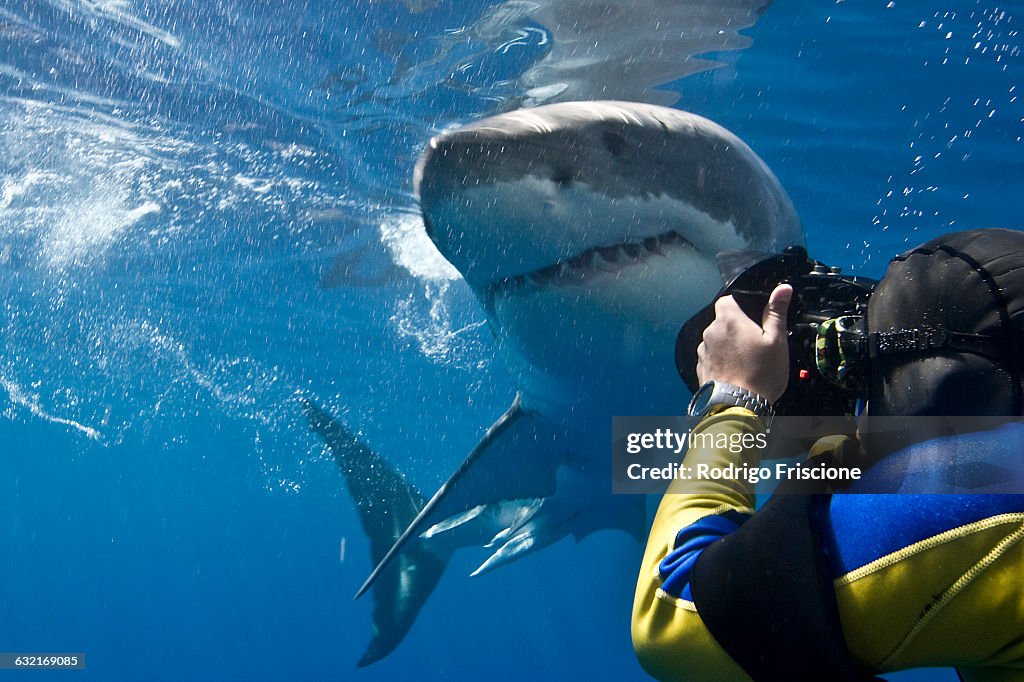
775 313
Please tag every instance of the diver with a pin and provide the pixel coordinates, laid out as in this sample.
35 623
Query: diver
841 585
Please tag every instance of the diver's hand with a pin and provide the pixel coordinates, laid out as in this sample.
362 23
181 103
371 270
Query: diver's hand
739 351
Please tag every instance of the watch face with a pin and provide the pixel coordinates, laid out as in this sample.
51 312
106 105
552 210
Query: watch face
701 399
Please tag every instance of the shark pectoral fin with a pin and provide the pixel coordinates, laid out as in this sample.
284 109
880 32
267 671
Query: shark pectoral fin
454 522
513 461
514 548
536 526
522 511
386 503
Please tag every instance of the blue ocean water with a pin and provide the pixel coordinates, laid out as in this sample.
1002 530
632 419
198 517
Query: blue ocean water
206 213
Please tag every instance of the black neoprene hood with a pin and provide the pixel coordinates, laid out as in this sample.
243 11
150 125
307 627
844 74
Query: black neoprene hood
969 283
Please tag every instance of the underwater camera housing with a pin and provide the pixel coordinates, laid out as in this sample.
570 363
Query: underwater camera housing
821 294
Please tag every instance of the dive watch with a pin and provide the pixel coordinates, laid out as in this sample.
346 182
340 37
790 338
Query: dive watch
714 396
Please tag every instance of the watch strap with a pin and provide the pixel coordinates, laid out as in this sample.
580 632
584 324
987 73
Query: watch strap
725 395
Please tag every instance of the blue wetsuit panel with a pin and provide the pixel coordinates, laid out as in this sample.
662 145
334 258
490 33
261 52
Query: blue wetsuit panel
865 527
676 567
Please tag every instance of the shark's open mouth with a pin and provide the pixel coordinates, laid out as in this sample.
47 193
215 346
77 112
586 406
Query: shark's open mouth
597 261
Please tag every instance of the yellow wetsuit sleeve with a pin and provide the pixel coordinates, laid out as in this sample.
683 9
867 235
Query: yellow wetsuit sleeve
669 637
953 599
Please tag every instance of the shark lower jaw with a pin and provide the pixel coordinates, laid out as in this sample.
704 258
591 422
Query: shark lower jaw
595 262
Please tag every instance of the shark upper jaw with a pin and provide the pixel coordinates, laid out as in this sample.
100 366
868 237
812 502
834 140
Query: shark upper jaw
597 261
513 259
527 234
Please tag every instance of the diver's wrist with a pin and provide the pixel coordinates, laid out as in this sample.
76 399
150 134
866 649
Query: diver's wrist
714 396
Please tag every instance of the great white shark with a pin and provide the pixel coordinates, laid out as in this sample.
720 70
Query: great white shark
589 232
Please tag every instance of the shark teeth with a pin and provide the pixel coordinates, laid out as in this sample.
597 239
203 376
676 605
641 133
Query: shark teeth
602 259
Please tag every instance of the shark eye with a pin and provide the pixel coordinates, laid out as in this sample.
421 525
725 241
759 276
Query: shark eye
613 142
561 177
